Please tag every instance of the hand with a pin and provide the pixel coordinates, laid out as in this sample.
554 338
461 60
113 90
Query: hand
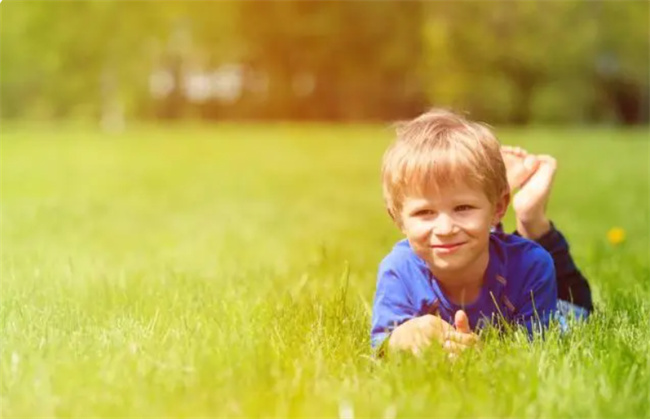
456 341
418 333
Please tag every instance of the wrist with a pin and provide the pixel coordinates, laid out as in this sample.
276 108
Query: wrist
534 229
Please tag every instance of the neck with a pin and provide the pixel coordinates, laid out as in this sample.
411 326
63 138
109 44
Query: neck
464 287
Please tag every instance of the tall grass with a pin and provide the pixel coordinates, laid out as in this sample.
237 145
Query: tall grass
229 270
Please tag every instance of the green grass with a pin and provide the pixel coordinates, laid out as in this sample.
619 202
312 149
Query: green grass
229 271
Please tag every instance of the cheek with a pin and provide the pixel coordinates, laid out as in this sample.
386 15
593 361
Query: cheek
476 224
417 230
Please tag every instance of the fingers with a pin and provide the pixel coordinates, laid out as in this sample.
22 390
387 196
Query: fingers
461 322
531 162
507 149
414 342
467 339
435 328
454 348
418 334
458 344
421 341
548 160
455 344
517 151
415 345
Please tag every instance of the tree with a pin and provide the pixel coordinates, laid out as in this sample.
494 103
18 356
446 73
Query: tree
362 59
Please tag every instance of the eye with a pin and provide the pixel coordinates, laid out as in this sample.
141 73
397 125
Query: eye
462 208
423 213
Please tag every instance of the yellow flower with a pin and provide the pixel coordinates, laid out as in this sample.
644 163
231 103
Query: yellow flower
616 235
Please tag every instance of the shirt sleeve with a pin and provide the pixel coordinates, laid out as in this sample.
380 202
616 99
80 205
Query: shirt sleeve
572 286
538 301
391 306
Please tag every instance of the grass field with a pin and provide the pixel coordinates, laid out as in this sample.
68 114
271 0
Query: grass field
211 271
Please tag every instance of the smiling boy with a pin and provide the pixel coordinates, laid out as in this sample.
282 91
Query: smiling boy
446 187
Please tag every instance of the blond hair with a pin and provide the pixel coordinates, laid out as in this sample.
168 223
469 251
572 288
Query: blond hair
440 148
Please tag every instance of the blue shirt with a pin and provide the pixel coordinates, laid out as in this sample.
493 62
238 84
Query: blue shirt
519 287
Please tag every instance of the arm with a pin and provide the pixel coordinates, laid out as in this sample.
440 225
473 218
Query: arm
397 324
391 307
572 285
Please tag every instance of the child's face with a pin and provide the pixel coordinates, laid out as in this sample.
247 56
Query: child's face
449 228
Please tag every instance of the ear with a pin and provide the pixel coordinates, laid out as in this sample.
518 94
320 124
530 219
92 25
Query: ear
501 207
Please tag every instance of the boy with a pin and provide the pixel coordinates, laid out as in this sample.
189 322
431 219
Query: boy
447 189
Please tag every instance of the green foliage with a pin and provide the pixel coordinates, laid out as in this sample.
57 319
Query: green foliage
514 62
537 61
229 271
364 57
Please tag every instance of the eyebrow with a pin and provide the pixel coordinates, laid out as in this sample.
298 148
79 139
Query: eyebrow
421 205
466 200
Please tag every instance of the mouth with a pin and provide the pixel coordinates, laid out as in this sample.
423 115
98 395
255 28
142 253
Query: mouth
447 248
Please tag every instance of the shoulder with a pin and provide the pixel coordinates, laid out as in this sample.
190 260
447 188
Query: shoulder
524 257
401 259
520 248
530 273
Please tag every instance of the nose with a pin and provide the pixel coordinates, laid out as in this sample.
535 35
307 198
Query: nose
444 225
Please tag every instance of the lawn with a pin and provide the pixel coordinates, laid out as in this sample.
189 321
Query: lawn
229 270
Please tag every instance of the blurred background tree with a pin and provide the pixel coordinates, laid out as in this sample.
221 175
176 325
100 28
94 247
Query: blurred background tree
513 62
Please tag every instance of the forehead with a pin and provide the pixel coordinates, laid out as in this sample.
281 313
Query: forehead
454 193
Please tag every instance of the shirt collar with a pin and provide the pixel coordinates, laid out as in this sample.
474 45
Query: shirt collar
494 280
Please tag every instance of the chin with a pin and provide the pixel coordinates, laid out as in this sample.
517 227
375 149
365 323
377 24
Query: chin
446 266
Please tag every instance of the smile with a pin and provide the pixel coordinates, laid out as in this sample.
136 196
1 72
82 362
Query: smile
447 248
